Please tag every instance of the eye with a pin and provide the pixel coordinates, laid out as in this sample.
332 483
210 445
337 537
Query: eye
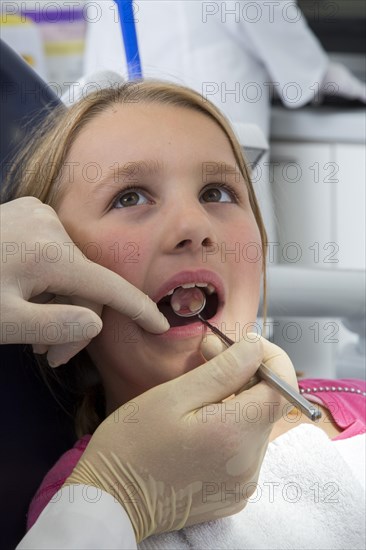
219 193
129 197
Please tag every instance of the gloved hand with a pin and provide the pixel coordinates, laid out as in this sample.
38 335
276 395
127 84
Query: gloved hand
51 294
187 457
338 80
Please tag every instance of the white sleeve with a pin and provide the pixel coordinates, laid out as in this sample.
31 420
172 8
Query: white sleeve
281 39
80 517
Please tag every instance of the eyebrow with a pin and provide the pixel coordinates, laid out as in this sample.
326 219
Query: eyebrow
221 168
134 171
128 172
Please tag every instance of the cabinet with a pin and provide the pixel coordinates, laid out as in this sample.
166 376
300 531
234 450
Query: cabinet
317 176
319 198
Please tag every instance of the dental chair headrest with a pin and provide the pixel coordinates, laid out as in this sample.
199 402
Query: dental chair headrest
24 96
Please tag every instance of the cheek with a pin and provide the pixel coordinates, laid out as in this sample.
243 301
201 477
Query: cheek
117 251
245 258
243 247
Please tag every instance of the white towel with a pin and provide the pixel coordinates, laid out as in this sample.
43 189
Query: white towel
308 498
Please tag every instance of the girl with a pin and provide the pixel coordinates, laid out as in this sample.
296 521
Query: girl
149 181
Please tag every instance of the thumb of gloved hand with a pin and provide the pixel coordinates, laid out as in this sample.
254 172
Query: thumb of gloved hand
168 463
338 80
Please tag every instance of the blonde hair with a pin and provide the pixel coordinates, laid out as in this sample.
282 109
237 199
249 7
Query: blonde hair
38 169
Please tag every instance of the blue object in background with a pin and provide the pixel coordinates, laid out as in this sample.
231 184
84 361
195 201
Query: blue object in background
129 36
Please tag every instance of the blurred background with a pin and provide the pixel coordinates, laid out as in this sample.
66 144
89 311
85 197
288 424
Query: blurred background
51 36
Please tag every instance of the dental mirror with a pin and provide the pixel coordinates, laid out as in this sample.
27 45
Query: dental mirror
187 302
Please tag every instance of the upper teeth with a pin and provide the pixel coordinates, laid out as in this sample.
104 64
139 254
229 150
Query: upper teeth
209 287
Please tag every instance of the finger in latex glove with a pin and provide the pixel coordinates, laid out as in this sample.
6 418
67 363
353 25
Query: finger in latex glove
211 346
26 286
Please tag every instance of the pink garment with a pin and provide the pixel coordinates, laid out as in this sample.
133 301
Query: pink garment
347 407
345 400
54 479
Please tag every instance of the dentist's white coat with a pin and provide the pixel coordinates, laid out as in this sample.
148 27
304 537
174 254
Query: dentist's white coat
229 51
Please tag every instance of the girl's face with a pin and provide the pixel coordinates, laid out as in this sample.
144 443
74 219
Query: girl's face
156 196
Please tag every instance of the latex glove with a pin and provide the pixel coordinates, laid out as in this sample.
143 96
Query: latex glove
177 455
338 80
32 237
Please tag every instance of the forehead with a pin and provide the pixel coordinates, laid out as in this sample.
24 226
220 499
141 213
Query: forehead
167 132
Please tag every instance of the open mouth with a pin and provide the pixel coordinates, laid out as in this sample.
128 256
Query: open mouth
209 311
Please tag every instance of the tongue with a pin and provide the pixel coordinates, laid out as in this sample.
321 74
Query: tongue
187 301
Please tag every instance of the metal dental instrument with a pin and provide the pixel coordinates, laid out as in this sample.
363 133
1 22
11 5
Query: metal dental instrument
273 380
263 373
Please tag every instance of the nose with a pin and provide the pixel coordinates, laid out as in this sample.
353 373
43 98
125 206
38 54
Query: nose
189 228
